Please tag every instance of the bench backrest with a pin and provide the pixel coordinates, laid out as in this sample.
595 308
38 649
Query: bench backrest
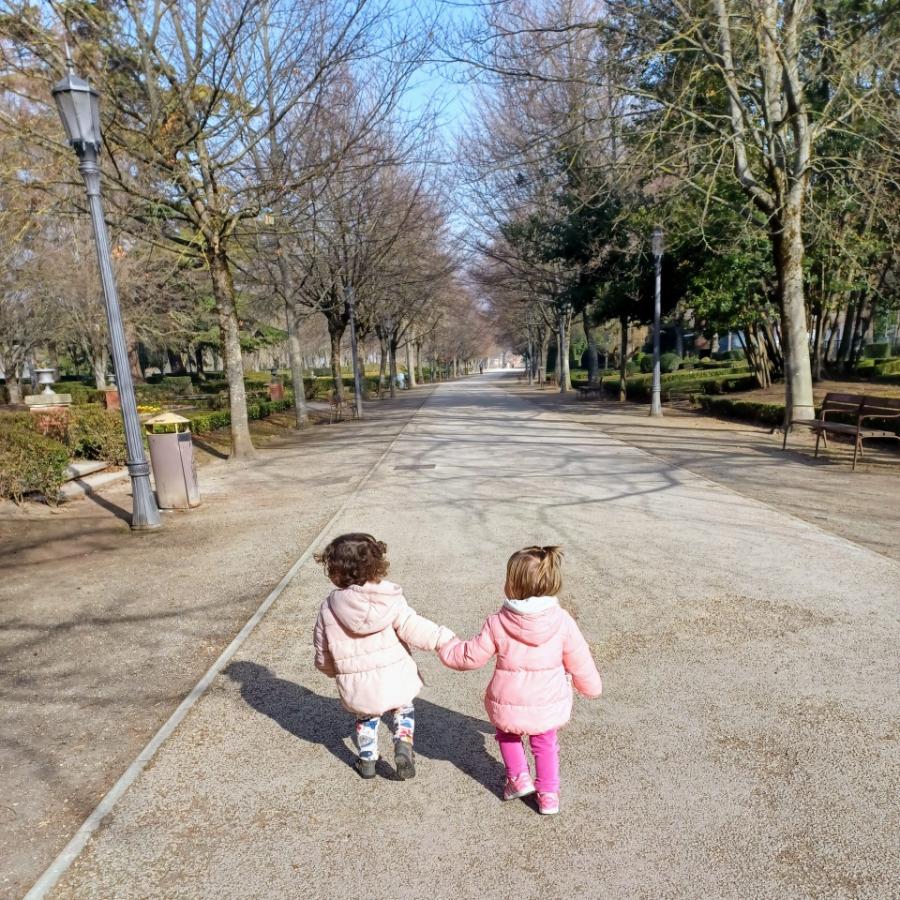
873 406
848 403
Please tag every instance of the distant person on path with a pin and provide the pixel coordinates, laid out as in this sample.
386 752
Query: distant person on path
481 368
537 644
362 638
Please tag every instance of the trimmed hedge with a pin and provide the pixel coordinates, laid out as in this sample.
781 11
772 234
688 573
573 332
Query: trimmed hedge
97 433
668 362
30 462
874 351
771 414
694 381
888 367
202 423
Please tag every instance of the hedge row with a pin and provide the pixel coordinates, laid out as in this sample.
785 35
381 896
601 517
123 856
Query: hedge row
639 387
204 422
30 462
771 414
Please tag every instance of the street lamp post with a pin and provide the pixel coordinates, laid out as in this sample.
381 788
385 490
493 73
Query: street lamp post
79 108
656 247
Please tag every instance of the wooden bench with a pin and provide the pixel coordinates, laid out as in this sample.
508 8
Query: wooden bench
858 406
589 391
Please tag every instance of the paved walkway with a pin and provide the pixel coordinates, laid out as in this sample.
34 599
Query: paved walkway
746 745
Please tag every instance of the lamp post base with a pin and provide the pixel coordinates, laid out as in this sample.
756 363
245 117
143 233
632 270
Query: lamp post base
144 511
656 407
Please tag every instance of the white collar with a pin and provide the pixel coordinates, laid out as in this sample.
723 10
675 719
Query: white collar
531 604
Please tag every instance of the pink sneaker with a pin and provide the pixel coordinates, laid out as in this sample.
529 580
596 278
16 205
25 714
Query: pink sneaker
548 804
520 786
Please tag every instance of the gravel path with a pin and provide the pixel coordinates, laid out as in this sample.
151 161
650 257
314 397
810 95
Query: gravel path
746 744
104 631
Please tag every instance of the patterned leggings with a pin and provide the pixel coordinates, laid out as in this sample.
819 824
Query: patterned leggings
367 731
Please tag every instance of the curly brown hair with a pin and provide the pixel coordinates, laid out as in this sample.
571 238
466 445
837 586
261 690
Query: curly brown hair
354 559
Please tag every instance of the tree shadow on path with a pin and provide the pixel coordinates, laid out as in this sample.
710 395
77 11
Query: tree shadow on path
441 734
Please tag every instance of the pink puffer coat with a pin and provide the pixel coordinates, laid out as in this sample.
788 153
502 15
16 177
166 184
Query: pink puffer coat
360 639
536 643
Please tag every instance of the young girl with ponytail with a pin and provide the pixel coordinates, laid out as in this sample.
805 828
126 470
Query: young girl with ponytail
541 654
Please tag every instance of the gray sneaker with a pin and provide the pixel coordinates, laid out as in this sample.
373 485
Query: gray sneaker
404 760
365 767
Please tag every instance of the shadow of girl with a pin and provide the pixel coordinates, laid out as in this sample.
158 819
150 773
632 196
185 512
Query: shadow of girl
441 734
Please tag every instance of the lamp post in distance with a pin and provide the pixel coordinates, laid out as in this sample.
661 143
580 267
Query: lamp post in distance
656 247
79 108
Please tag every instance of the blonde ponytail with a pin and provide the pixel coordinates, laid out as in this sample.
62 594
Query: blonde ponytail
534 572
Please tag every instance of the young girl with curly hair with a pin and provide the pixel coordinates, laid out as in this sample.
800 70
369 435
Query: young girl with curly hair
362 638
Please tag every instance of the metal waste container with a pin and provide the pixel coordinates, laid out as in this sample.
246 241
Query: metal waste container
172 459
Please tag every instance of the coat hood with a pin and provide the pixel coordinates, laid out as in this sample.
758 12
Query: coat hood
366 608
533 620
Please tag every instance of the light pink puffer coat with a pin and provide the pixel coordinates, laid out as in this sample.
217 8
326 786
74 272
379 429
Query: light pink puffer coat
530 692
360 639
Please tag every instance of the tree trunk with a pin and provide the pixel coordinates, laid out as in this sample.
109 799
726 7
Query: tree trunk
545 347
336 332
679 338
226 310
295 356
843 351
134 355
14 387
565 374
176 363
788 247
592 356
420 373
410 369
861 326
382 364
818 343
393 359
623 359
99 363
198 361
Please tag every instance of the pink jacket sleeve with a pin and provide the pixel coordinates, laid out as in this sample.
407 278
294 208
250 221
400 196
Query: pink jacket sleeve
473 654
324 659
419 632
579 663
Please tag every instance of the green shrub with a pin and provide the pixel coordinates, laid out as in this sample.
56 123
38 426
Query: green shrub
96 433
728 355
80 392
30 462
873 351
771 414
172 387
204 422
888 367
669 362
201 423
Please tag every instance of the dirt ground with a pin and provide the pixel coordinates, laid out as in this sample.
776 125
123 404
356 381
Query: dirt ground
775 392
104 631
863 506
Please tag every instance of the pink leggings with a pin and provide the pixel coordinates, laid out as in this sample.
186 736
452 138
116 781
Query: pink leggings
545 749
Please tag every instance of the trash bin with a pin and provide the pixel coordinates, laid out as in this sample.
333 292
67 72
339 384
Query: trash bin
172 459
